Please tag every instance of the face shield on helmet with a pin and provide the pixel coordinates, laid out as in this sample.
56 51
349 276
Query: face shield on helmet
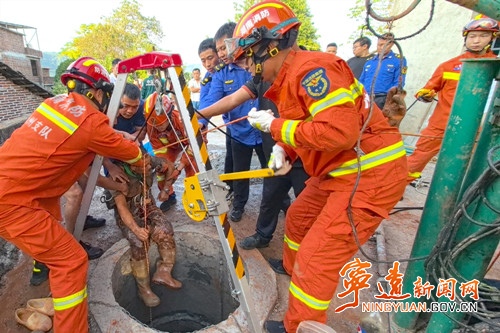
481 24
259 26
86 73
157 109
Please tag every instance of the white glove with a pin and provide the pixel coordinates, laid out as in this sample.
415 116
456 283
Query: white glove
261 119
278 161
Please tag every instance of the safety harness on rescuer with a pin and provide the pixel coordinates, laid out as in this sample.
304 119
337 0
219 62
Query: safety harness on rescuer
275 23
481 24
85 74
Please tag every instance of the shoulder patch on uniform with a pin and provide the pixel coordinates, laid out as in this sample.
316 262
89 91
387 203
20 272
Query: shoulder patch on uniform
397 55
316 83
403 70
206 80
458 67
219 67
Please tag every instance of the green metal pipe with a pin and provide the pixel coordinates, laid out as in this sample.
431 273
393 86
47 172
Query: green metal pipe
490 8
474 260
463 124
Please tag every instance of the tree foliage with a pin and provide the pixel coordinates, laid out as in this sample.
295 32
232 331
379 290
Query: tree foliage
58 87
308 36
126 33
358 13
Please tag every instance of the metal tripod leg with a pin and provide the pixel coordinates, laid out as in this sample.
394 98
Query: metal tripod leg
224 230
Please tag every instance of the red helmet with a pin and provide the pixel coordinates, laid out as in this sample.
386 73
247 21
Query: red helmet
157 115
481 24
86 70
266 20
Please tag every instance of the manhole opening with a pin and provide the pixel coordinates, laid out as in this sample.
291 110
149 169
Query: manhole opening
205 297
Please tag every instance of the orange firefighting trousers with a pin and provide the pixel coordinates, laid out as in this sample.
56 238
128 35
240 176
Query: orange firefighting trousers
319 242
38 234
426 149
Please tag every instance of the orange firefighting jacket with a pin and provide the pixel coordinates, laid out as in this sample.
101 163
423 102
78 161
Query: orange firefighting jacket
159 140
322 108
444 81
53 148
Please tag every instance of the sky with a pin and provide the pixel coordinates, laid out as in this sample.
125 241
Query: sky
185 23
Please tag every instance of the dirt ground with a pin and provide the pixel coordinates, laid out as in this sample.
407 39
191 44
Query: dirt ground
399 232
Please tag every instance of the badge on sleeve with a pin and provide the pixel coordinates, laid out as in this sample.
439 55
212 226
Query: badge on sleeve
316 83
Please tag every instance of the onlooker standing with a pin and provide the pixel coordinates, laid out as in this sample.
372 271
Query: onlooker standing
331 48
194 88
361 51
389 72
113 75
148 85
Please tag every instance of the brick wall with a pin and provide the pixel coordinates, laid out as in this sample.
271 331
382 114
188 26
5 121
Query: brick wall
11 41
15 101
16 56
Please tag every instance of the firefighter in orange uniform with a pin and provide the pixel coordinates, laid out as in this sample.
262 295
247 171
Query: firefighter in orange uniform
479 35
165 127
40 161
322 110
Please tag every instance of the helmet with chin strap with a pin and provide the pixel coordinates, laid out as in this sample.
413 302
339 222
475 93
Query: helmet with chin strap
481 23
86 73
259 26
157 109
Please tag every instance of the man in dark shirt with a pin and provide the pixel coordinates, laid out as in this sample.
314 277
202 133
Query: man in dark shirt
130 118
361 50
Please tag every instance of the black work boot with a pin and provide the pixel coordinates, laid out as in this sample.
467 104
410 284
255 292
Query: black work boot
92 252
165 205
92 222
236 214
275 326
40 273
256 240
277 266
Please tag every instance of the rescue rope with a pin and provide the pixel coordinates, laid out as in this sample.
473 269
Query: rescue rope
203 133
365 125
146 242
417 135
225 133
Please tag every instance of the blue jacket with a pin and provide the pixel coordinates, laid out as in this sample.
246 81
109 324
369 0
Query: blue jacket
388 75
225 82
205 86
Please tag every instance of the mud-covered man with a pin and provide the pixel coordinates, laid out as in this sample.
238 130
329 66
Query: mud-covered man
130 211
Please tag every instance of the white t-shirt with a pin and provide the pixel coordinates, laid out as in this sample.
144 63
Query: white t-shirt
195 97
112 78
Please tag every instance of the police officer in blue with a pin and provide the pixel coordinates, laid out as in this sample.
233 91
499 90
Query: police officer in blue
209 60
390 69
227 79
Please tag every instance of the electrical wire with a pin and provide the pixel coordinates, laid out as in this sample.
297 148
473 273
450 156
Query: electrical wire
370 113
441 261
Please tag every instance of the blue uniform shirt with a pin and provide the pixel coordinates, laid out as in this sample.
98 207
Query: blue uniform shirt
205 86
225 82
388 74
